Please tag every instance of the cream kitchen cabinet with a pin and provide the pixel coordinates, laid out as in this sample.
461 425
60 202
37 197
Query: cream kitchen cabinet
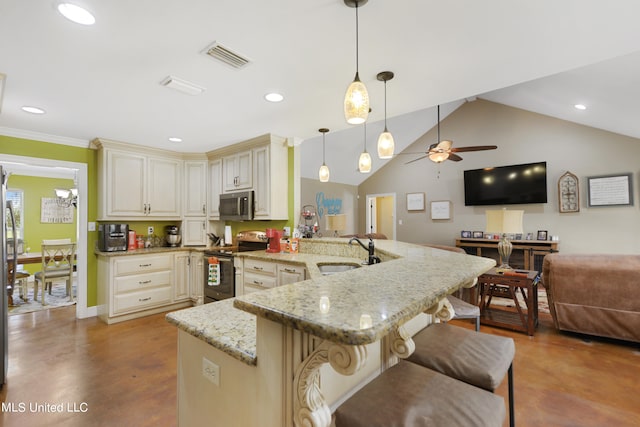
194 231
181 270
270 171
132 286
132 183
195 188
196 278
237 172
289 273
258 275
215 188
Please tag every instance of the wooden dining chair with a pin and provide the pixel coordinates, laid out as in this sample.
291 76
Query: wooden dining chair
58 258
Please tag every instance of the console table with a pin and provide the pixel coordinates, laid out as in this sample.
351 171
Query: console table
507 284
526 254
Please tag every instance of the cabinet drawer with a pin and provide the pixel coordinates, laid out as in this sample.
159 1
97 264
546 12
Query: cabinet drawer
260 280
134 301
260 267
292 269
137 282
135 265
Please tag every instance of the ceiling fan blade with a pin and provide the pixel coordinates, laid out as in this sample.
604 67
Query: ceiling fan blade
474 148
454 157
444 145
415 153
415 160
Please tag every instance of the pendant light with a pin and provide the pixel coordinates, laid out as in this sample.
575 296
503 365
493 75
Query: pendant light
323 173
356 100
386 145
364 162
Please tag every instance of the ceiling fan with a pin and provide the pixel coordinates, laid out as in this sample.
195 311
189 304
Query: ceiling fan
443 150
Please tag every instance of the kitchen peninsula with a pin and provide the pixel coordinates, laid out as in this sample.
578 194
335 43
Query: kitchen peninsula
291 354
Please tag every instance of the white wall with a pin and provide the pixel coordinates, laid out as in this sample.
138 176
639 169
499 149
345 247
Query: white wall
521 137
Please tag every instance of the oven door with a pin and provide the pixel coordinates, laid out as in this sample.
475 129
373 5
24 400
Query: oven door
220 284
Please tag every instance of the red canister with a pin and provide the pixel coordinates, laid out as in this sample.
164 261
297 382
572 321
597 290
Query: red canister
132 240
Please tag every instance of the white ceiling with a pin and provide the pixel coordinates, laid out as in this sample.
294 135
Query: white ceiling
104 80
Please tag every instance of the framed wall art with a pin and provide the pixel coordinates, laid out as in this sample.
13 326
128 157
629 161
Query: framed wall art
610 190
568 193
441 209
415 201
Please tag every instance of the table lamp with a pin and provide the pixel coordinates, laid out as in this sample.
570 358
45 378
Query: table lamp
503 221
336 223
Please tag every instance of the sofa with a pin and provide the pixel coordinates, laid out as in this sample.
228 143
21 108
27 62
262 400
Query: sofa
594 294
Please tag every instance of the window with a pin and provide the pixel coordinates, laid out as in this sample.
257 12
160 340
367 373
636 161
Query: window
16 197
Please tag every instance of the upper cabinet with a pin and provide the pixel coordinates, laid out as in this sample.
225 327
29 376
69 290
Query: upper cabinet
134 184
237 172
260 164
215 188
195 187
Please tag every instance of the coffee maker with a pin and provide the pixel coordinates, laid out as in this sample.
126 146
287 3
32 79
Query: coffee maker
274 240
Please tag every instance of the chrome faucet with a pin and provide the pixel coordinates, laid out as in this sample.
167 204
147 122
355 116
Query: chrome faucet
371 249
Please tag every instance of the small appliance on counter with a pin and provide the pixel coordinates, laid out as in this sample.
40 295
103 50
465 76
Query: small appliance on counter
274 237
113 237
172 235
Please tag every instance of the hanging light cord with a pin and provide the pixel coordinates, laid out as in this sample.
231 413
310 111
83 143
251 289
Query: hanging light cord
357 32
365 137
385 106
438 123
323 148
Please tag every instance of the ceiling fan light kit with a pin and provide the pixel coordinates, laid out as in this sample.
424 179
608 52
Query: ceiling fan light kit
323 172
356 99
386 144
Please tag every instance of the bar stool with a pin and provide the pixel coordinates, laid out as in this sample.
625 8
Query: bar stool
464 310
476 358
409 395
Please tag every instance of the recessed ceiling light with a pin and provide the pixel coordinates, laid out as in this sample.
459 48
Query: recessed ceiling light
76 14
580 106
175 139
33 110
273 97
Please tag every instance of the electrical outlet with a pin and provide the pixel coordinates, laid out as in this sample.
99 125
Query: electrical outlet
287 232
150 230
210 371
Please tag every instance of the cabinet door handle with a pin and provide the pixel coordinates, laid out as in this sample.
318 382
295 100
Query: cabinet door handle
144 265
258 268
144 299
204 225
256 282
290 270
204 208
149 211
144 282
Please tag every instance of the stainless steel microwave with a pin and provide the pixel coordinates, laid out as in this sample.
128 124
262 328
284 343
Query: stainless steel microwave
237 206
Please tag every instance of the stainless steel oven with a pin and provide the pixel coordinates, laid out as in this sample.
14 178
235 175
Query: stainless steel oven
219 272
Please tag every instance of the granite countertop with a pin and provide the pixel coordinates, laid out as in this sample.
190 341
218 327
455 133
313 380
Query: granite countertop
221 325
410 279
361 306
148 251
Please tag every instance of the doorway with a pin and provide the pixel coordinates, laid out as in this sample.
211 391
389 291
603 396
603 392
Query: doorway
381 214
36 166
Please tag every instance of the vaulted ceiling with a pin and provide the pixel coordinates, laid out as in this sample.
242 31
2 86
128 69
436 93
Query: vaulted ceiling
104 80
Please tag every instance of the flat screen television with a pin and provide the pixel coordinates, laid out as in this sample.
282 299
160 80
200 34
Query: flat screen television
506 185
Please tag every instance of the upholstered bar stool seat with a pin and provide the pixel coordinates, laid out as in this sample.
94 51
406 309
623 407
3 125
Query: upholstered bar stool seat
464 310
476 358
409 395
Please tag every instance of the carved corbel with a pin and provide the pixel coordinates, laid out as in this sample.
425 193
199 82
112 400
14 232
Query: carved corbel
401 342
442 311
309 406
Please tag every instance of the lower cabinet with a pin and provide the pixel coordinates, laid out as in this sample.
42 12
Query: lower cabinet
138 285
258 275
196 278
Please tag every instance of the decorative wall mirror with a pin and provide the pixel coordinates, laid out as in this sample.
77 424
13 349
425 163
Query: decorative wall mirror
568 193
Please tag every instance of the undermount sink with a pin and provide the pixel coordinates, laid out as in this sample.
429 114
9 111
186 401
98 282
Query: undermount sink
327 269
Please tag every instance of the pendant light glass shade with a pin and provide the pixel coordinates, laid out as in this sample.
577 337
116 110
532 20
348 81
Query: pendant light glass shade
364 162
386 145
323 172
356 100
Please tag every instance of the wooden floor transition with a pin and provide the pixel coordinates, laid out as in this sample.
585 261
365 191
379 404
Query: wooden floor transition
125 374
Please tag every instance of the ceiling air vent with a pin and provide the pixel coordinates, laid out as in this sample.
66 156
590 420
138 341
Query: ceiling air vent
226 55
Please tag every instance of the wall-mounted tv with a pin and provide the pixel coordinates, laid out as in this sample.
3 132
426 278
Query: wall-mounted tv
506 185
